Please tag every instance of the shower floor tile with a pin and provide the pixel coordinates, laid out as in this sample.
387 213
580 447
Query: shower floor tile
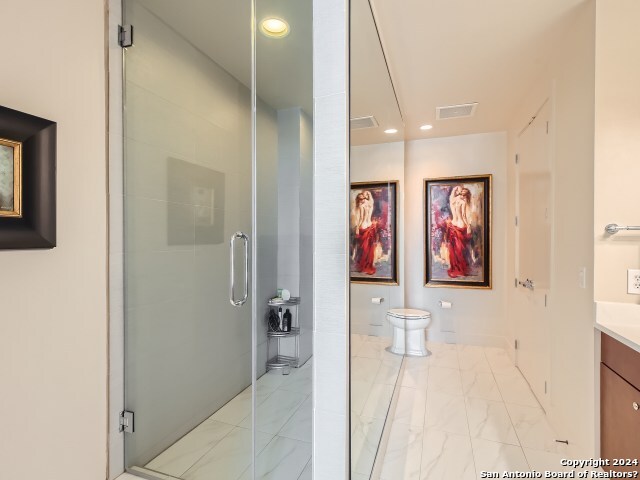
229 458
220 447
183 454
281 459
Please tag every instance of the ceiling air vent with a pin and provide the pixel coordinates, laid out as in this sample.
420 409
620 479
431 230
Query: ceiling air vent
456 111
363 122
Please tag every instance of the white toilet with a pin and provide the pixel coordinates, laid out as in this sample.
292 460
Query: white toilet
409 330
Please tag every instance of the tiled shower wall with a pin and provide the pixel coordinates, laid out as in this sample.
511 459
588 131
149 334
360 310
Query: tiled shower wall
331 297
295 219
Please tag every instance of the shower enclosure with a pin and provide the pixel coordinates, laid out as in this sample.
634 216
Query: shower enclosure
217 208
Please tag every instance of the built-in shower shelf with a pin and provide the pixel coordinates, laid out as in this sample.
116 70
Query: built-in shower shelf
294 331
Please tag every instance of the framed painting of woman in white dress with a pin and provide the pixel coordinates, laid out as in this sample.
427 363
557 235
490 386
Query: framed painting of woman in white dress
373 251
458 232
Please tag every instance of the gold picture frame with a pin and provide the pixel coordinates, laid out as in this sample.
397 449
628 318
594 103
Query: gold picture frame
383 271
10 178
479 234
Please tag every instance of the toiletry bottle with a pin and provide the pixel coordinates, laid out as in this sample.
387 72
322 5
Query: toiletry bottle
287 321
280 317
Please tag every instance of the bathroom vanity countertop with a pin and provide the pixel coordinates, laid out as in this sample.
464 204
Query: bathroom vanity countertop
620 321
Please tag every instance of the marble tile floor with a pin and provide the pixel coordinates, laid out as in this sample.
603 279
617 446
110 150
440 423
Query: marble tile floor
462 410
374 375
220 447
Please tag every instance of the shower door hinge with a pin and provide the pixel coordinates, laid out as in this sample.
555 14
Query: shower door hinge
517 158
547 127
125 35
516 221
515 344
515 282
126 422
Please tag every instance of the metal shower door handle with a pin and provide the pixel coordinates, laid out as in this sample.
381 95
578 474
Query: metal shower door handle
232 282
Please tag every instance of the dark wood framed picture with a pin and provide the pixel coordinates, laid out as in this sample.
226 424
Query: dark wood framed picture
458 232
27 181
373 249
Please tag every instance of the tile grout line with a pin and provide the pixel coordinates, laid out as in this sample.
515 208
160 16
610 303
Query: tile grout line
305 467
298 409
509 415
225 436
466 413
209 450
424 423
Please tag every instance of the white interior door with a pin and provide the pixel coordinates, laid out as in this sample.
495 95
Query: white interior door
534 254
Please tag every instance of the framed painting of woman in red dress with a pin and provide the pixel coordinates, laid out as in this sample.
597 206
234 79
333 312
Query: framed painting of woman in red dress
372 248
458 232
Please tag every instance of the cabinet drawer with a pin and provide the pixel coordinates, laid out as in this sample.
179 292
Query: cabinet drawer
619 421
621 359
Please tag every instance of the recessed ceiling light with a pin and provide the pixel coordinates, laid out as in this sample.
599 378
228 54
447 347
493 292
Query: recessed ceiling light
391 130
426 127
274 27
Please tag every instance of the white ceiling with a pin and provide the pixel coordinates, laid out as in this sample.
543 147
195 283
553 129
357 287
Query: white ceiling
439 52
371 88
221 30
446 52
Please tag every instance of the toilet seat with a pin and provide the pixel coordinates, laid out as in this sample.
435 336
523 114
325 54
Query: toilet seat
409 313
409 331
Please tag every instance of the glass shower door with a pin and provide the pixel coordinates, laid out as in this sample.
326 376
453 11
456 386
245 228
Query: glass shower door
189 328
283 237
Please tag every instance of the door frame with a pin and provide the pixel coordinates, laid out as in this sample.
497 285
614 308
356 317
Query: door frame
550 99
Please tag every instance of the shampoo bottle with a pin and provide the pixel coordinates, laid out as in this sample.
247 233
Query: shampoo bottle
287 321
281 319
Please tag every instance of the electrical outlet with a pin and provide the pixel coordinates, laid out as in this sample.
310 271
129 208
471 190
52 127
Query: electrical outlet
633 281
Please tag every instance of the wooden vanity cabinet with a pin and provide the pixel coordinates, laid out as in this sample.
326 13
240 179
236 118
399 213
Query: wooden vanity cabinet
619 403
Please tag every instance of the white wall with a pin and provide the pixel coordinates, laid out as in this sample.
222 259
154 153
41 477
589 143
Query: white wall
478 317
330 267
568 81
617 146
53 332
380 162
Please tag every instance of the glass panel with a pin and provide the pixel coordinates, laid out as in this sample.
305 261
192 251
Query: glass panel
283 237
378 340
188 165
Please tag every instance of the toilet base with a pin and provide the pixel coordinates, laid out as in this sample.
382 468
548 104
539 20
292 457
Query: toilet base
413 345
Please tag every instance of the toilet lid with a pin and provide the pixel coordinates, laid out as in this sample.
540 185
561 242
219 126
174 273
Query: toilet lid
408 313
